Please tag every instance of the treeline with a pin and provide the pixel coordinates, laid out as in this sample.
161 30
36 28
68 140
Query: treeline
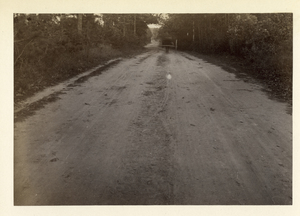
52 47
264 40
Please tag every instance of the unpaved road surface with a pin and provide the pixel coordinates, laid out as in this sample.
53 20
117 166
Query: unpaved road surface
157 129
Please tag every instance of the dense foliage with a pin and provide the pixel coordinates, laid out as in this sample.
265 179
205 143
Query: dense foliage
264 40
51 47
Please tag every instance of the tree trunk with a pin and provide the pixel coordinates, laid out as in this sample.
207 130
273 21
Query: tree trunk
134 25
199 36
124 27
79 26
193 31
88 40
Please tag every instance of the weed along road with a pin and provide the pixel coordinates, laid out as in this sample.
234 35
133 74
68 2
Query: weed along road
155 129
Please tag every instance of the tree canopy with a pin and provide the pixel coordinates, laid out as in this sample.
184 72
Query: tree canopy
46 46
265 40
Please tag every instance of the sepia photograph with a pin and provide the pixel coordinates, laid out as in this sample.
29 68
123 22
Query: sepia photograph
159 108
153 109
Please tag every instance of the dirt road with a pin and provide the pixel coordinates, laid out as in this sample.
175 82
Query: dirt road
156 129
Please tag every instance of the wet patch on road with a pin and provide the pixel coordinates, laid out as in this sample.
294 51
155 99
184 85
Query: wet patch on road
70 86
150 83
147 93
188 58
112 102
162 60
118 88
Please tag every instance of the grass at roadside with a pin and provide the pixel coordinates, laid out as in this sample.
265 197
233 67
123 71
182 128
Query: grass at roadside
32 78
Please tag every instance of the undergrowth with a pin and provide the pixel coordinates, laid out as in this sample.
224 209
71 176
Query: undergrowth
32 77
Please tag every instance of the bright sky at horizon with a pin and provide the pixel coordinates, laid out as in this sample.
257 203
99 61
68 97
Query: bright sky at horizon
154 25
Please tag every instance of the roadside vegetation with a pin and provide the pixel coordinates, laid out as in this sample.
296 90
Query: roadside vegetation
263 43
49 48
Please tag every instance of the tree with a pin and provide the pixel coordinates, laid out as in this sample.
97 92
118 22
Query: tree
79 17
264 40
124 29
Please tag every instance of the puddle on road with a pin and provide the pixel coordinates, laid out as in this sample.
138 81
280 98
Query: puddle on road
162 60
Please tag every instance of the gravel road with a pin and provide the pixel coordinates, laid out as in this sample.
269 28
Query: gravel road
156 129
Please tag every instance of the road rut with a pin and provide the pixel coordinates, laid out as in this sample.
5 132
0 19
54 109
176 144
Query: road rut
156 129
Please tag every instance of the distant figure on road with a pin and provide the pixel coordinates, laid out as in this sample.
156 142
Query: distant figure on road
167 43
